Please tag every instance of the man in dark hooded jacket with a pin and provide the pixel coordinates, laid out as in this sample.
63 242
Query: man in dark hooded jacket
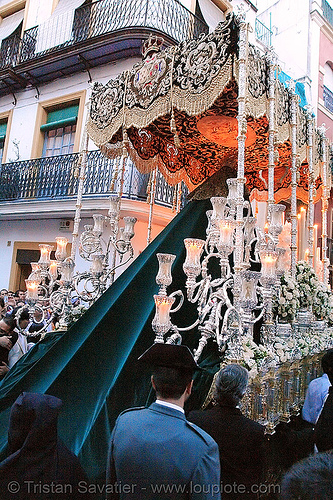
39 465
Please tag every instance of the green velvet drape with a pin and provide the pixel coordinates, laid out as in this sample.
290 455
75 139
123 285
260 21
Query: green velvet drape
93 368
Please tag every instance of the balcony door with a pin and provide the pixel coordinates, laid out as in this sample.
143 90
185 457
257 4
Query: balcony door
59 137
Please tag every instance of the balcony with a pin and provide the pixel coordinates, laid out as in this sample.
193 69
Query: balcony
263 34
327 12
328 99
53 178
10 49
95 34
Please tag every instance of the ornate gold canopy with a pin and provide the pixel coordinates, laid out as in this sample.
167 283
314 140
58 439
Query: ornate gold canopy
176 110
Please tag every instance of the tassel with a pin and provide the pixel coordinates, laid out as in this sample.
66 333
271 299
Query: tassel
125 143
173 129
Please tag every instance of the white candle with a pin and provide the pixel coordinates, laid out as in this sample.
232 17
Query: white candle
315 237
303 232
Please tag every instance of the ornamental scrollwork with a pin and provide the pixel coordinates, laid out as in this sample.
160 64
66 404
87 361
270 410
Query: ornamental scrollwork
283 112
107 101
257 73
198 62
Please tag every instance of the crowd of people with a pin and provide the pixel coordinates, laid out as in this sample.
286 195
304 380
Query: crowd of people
159 453
13 342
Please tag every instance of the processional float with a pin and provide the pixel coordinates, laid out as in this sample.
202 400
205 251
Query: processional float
196 110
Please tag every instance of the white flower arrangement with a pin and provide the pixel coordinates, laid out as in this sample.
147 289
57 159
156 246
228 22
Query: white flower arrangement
78 311
306 283
284 349
322 302
254 356
286 304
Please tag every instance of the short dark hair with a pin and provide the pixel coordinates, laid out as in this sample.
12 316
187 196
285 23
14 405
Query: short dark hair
231 383
327 361
170 382
24 315
309 479
16 294
9 320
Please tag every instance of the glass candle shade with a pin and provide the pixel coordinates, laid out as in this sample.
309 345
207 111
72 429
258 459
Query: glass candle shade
98 224
129 228
161 323
35 272
219 207
45 251
248 295
165 261
114 206
276 214
194 248
32 291
209 214
67 268
61 252
96 267
280 262
268 263
232 190
53 269
226 235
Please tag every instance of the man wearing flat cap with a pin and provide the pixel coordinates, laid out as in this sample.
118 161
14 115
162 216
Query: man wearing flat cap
155 453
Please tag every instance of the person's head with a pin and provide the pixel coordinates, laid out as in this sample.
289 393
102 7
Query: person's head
20 296
310 479
7 325
172 369
24 318
230 384
171 383
3 308
3 292
327 363
33 422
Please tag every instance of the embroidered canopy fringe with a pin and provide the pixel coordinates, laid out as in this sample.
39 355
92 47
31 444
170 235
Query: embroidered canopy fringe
157 105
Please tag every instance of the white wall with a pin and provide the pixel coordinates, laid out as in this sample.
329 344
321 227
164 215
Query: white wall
290 25
46 230
25 111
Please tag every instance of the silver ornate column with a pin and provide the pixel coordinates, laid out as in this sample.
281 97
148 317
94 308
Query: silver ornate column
242 129
151 200
82 176
310 129
270 56
324 206
293 138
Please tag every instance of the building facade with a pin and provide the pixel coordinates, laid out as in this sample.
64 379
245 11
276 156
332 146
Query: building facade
52 53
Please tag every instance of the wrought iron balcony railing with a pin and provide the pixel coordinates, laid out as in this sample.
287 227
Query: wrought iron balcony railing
328 98
9 51
53 178
327 11
105 16
263 34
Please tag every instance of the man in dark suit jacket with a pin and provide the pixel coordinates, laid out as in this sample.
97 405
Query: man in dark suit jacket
241 441
155 453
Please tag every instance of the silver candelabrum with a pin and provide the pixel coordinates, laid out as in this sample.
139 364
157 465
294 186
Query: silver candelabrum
222 315
53 287
105 256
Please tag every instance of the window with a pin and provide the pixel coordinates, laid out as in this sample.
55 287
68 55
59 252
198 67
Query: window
3 129
328 87
59 131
